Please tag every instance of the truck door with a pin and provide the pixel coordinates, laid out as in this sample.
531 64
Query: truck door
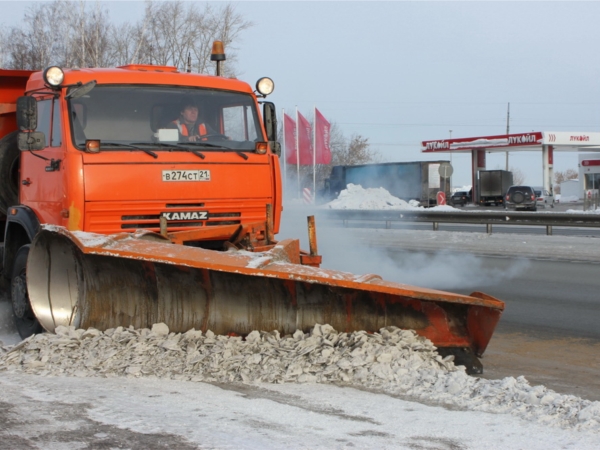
41 177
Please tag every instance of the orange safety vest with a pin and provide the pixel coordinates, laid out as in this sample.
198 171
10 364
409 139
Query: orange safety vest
184 130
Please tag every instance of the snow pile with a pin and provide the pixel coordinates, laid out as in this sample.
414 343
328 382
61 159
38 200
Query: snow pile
323 355
356 197
578 211
394 360
566 198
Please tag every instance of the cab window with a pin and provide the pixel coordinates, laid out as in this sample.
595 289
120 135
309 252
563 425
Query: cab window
49 121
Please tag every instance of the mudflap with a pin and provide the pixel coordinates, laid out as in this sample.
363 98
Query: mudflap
463 357
139 279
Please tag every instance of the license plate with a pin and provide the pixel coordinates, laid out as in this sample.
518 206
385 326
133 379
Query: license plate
186 175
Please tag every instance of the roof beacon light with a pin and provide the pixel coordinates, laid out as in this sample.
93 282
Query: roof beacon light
54 76
265 86
218 55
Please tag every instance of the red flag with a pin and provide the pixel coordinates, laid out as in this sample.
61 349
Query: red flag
290 139
322 135
304 143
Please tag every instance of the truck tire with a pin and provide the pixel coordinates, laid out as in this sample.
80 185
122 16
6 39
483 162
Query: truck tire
10 157
25 319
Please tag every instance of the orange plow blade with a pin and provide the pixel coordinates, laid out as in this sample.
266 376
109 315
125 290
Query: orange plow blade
88 280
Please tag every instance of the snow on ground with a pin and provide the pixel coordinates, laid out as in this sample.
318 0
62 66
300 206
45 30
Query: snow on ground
566 198
393 364
357 197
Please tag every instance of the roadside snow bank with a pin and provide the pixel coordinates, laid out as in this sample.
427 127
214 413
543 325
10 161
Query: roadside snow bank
394 361
356 197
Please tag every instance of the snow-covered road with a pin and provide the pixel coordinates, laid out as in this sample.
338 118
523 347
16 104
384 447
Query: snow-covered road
318 390
68 413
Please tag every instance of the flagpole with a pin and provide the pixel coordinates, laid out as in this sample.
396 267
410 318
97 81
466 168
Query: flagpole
284 155
298 153
314 127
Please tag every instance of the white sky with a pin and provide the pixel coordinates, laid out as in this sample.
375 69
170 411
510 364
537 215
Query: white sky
403 72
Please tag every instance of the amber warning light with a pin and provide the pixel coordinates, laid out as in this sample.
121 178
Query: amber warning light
218 52
218 55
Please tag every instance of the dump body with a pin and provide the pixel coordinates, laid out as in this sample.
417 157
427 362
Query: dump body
419 180
493 184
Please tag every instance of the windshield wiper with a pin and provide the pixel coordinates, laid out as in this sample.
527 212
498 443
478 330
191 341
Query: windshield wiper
179 146
205 145
136 147
221 147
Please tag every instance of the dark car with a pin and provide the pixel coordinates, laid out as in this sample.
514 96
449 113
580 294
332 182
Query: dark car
461 198
520 198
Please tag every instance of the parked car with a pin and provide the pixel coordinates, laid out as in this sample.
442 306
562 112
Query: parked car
543 197
461 198
520 198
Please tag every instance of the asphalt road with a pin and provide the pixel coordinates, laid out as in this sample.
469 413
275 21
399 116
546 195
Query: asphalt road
557 297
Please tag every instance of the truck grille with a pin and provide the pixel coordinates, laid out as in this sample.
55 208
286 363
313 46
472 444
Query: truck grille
114 217
153 221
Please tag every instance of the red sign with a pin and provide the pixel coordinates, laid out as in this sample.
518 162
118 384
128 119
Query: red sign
441 198
483 142
590 162
322 137
305 147
290 139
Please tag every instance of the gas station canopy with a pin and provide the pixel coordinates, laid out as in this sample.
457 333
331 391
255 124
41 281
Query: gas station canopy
546 141
559 140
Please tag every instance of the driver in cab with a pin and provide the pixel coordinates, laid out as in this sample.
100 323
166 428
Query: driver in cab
190 129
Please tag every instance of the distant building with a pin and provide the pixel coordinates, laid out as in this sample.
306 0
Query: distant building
589 174
571 191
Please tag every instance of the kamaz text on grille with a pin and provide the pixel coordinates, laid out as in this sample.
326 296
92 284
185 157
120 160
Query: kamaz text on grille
186 215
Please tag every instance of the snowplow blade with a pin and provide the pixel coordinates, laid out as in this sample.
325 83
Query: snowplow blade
99 281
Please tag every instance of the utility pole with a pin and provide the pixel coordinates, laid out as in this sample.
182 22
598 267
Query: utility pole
450 131
507 130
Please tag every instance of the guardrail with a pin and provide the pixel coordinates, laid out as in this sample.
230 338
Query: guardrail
487 218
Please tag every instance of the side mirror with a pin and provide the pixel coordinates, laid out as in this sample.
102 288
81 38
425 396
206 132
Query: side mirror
270 120
34 140
26 113
275 147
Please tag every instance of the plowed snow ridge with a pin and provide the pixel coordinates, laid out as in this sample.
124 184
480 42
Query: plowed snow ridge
394 361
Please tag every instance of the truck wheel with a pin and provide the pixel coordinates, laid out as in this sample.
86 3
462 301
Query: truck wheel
25 320
10 157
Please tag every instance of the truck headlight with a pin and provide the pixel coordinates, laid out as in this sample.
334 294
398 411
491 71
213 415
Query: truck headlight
54 76
265 86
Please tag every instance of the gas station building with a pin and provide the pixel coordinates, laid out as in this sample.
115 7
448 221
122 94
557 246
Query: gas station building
547 142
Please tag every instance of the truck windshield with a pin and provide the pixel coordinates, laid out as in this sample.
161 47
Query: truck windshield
187 118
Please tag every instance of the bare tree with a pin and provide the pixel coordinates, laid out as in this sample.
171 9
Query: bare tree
518 176
569 174
344 151
179 33
357 151
560 177
34 44
76 33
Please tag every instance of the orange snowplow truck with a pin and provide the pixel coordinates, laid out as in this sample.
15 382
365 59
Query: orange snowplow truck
141 194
